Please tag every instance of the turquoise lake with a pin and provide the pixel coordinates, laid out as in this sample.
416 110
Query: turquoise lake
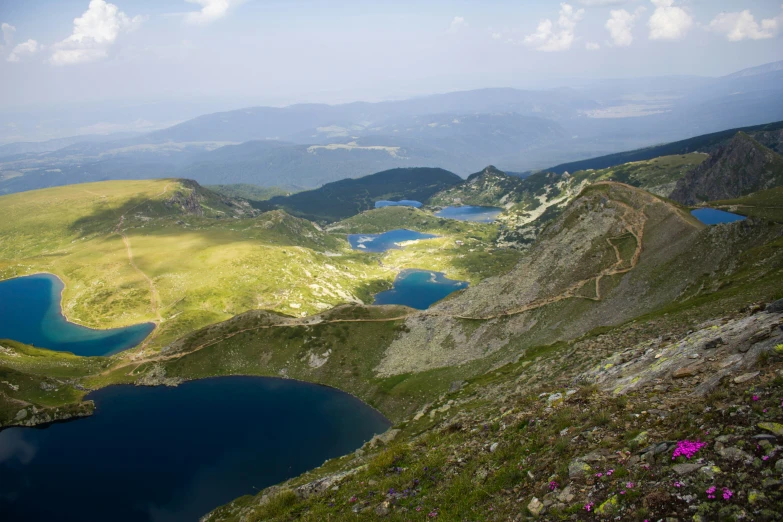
30 313
419 289
160 454
385 241
711 216
471 213
401 203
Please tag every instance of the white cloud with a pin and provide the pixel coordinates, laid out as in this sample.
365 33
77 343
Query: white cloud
592 46
620 26
668 22
743 26
601 3
8 34
457 23
497 36
211 10
546 38
24 50
93 33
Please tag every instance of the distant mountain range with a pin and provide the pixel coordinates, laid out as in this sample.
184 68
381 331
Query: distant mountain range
308 145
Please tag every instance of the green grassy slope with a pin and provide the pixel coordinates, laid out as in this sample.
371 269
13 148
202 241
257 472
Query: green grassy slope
198 257
766 204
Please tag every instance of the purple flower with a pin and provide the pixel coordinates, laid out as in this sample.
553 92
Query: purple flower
589 506
553 485
755 397
630 485
599 474
727 494
765 457
609 472
711 492
677 484
687 448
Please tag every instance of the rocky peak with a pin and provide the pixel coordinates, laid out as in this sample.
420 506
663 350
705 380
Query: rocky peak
738 168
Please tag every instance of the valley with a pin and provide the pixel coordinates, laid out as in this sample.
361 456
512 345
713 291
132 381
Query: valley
239 287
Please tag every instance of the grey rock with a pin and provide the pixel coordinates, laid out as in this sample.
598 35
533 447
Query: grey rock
764 436
660 448
776 307
735 454
745 377
554 398
382 510
685 469
21 414
493 447
578 469
535 507
456 386
566 495
714 343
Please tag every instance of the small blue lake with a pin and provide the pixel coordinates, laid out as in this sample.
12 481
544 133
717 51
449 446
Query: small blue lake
471 213
419 289
385 241
30 313
712 216
401 203
173 454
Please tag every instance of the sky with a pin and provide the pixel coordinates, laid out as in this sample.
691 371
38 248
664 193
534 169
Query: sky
233 53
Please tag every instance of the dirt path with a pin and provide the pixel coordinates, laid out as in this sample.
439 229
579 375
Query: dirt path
155 302
634 222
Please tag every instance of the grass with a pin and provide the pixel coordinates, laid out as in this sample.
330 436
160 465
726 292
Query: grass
767 205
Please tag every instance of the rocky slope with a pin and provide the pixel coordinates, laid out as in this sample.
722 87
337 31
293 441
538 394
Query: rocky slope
737 169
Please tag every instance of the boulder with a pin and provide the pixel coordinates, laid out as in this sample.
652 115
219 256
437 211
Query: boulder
685 469
776 307
578 469
745 377
535 507
687 371
772 427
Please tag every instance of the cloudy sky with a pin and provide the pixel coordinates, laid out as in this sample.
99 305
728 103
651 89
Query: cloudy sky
282 51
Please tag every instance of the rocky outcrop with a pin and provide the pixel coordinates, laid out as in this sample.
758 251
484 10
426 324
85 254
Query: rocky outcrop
740 167
32 415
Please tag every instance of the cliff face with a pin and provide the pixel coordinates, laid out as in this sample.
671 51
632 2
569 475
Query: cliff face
736 169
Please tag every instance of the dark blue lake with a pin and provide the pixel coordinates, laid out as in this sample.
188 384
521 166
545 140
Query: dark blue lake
385 241
711 216
30 313
419 289
401 203
173 454
470 213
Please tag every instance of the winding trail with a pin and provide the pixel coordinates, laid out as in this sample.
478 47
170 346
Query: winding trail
633 220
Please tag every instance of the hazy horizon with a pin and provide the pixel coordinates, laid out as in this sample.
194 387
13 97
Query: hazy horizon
197 56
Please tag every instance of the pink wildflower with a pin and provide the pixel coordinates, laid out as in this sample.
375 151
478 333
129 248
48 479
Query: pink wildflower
765 457
353 499
755 398
418 508
622 492
727 494
589 506
553 485
609 472
630 485
711 492
677 484
433 513
687 448
599 474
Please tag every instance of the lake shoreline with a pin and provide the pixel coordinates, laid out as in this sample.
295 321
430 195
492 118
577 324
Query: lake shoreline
76 321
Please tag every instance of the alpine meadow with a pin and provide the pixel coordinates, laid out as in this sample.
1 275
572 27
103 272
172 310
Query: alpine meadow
329 261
